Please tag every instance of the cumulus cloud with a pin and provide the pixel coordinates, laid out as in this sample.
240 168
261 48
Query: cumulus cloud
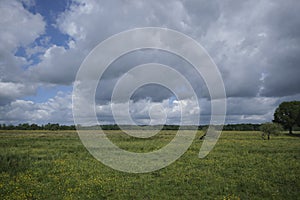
254 44
150 113
10 91
58 66
243 38
254 49
19 28
57 109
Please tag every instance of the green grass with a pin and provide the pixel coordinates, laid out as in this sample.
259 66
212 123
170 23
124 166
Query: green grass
55 165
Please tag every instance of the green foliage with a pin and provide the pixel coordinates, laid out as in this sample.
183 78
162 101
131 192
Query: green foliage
56 126
288 114
270 128
55 165
241 127
27 126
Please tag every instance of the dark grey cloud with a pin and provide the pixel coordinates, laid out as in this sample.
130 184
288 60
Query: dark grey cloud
127 62
255 44
282 50
245 38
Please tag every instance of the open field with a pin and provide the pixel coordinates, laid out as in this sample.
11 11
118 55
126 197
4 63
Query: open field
55 165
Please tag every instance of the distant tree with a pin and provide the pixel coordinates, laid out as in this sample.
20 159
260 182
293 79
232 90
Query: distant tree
24 126
78 126
204 129
72 127
34 127
52 127
47 126
10 127
270 128
288 115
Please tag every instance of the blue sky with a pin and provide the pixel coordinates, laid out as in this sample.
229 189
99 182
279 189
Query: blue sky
43 43
49 10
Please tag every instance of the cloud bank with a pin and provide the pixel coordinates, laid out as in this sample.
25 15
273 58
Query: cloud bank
255 45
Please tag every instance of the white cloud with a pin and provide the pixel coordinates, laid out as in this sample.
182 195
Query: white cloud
57 109
231 32
19 28
247 39
148 112
10 91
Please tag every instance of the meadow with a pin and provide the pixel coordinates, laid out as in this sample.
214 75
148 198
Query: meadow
55 165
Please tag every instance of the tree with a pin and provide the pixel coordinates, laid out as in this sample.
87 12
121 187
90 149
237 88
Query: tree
288 115
204 129
270 128
34 127
52 127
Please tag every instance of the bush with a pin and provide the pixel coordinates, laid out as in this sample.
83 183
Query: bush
270 128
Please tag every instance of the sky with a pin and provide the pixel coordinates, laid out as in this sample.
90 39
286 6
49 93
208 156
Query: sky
255 45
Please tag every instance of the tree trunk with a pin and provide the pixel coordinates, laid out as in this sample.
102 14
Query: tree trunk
269 136
291 130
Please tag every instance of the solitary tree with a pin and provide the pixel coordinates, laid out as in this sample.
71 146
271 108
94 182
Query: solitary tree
204 129
270 128
288 115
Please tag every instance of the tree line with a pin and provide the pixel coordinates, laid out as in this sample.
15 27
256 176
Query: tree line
287 115
27 126
57 126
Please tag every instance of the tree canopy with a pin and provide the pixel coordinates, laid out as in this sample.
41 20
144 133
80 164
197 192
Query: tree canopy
288 115
270 128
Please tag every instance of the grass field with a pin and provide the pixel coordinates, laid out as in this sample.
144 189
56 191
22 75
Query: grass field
55 165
